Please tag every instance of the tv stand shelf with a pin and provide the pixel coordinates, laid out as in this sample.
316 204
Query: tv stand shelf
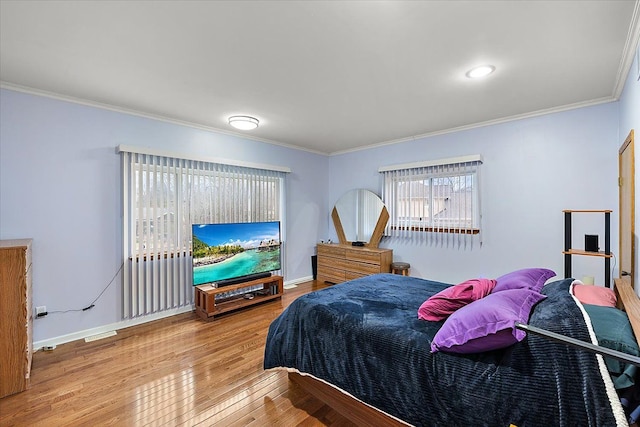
208 307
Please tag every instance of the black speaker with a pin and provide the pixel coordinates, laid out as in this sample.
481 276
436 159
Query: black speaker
591 243
314 266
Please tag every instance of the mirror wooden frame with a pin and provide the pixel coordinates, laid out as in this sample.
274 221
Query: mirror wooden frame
378 231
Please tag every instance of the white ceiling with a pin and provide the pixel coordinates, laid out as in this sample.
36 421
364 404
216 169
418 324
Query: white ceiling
325 76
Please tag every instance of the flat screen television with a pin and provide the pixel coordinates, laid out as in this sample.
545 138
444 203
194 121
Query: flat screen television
228 253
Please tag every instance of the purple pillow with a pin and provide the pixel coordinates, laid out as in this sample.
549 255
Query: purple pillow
527 278
488 323
442 304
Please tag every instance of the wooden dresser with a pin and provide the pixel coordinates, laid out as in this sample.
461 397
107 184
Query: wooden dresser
338 263
16 316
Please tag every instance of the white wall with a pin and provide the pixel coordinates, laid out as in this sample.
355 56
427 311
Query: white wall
60 185
533 169
630 119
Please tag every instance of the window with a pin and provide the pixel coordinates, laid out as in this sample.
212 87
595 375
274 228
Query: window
166 198
426 200
163 197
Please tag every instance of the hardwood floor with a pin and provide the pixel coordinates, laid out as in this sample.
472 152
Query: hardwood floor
178 371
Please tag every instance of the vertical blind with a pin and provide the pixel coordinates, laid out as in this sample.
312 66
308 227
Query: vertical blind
163 197
436 202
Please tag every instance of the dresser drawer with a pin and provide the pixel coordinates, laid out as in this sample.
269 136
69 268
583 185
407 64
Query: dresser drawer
332 275
357 267
363 256
332 251
326 262
350 275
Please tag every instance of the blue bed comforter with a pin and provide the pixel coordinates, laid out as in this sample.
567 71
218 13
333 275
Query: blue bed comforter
364 338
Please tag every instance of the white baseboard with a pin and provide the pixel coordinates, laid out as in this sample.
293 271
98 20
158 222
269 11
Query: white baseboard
292 283
80 335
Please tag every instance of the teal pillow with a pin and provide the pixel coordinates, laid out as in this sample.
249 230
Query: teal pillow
613 330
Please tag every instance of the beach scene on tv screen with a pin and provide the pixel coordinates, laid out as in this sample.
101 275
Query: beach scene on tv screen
225 251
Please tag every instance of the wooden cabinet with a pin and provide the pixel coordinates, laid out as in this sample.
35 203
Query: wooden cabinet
16 316
339 263
213 301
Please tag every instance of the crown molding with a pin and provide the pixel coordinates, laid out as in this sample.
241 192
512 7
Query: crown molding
516 117
629 52
88 103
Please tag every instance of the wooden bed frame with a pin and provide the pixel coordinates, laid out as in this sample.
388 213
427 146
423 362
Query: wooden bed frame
629 302
363 414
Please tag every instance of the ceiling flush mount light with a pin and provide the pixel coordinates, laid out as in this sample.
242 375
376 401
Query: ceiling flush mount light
243 122
481 71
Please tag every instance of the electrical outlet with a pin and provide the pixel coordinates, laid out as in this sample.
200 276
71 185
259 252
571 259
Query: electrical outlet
41 309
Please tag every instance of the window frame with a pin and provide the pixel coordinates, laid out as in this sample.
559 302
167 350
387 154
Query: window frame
431 224
430 200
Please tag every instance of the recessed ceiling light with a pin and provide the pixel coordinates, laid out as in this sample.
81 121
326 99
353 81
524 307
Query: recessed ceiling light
243 122
481 71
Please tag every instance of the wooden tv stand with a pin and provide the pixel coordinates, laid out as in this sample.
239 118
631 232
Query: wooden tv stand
207 307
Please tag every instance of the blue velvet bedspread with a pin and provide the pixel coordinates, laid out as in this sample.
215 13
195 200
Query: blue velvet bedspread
364 337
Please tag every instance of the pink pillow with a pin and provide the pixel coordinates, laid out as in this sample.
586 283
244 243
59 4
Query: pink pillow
444 303
596 295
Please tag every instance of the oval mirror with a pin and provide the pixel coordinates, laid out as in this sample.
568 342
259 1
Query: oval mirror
360 216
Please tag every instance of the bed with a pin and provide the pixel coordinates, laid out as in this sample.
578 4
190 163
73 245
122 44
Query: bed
360 348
